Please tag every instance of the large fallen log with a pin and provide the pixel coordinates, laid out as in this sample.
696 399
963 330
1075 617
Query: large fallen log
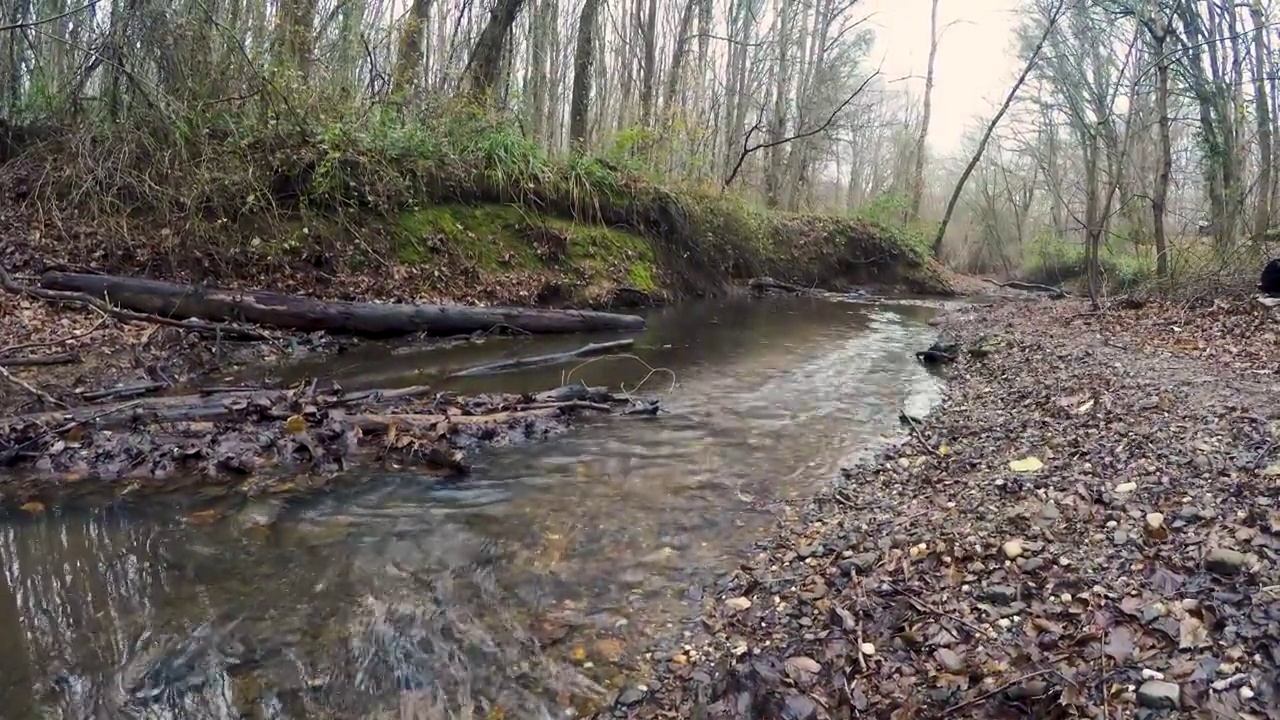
173 300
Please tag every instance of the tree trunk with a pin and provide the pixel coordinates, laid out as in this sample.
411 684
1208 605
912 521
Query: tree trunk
583 59
409 62
649 73
1262 106
178 301
1161 194
991 127
917 178
484 67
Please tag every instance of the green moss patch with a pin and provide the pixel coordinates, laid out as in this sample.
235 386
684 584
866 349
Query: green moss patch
497 239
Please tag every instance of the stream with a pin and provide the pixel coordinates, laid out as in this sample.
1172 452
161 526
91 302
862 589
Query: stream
531 589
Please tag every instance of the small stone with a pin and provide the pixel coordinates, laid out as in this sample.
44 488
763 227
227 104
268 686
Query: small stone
805 551
679 659
1126 487
1002 594
1012 548
1159 694
867 649
1246 693
630 696
950 660
1120 537
737 604
1155 521
1032 565
1149 674
1224 562
799 707
1050 511
865 561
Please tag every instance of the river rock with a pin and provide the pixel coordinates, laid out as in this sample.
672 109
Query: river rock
630 696
1224 561
1012 549
737 604
1159 694
1003 594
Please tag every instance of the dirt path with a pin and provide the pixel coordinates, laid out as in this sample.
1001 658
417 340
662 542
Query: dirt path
1089 527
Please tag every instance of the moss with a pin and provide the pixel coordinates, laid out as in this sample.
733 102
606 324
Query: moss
501 238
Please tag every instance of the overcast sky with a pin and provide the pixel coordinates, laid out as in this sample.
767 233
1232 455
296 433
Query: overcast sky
975 63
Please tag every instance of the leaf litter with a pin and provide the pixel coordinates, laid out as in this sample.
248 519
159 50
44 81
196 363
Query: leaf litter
1130 570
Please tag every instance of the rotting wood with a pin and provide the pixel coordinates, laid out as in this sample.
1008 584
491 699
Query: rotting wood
523 363
230 331
34 360
295 312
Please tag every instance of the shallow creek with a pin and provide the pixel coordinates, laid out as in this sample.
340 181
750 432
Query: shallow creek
527 590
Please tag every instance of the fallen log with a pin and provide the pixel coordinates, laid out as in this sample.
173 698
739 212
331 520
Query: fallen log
173 300
34 360
549 359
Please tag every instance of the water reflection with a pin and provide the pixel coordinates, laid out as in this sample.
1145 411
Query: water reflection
523 588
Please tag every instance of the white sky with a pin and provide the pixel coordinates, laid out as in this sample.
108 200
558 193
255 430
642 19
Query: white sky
976 62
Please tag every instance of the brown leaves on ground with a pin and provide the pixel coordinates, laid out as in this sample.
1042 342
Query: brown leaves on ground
1136 567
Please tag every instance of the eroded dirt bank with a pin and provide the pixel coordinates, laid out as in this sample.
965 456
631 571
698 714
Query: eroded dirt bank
1089 527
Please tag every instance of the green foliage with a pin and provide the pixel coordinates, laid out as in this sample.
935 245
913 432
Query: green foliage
887 212
1051 260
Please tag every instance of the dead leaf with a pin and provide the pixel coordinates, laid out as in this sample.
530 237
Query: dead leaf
1119 645
1030 463
33 507
1192 633
295 424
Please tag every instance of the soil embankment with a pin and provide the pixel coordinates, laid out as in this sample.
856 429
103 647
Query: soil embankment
1089 527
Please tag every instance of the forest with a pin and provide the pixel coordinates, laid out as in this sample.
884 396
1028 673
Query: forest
1139 132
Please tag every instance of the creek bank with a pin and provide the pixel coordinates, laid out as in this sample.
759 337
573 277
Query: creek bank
1089 527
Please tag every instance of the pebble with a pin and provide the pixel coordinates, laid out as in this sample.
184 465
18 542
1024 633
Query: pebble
737 604
1159 694
630 696
867 649
1032 565
1246 693
950 660
1155 522
1126 487
1012 549
1002 594
1224 561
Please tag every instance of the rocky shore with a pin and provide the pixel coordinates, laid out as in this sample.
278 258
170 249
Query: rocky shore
1088 527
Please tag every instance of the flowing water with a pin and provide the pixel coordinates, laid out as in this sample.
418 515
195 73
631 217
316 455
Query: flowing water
527 590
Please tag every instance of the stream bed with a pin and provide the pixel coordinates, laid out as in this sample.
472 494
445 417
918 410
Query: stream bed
531 589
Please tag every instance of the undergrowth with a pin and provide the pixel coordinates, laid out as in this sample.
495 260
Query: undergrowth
248 190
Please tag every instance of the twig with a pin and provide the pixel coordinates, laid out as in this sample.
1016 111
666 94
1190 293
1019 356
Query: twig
565 380
923 606
969 703
915 429
43 396
30 360
27 346
123 390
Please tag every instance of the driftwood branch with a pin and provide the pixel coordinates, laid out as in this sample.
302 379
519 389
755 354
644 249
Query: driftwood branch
539 360
1030 287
